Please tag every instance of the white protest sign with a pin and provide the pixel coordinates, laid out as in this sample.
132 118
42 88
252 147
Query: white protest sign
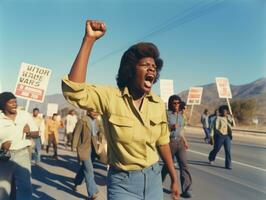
194 95
51 109
32 82
223 87
166 89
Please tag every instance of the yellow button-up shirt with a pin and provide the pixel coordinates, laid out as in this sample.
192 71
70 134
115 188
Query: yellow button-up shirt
51 127
132 135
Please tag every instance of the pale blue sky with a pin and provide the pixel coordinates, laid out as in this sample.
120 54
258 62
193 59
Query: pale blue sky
198 40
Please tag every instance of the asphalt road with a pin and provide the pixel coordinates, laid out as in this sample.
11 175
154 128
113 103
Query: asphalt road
247 180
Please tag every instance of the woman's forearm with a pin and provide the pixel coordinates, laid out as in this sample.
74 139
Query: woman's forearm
166 155
79 68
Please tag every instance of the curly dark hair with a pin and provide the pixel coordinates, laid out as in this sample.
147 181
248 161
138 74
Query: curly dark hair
222 108
4 98
170 101
130 59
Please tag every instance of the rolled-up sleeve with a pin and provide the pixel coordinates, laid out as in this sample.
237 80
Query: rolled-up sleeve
84 95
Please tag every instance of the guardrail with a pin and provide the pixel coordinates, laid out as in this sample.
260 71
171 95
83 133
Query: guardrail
238 129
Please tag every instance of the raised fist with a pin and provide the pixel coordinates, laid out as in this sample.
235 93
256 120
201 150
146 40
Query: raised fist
95 29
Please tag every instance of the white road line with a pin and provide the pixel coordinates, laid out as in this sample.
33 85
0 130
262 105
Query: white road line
228 178
236 162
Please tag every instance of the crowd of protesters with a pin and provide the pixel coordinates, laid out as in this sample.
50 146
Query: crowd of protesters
129 118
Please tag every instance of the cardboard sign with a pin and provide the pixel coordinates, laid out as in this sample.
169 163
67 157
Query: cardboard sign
223 87
166 89
194 96
51 109
32 82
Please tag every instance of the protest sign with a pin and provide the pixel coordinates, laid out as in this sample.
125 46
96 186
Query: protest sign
32 82
194 96
166 89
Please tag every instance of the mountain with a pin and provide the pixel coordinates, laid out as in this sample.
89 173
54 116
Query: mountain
210 94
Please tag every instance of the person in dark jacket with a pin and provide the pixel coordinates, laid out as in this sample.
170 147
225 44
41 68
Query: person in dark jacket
88 134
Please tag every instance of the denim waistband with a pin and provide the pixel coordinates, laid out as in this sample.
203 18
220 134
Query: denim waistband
176 138
144 170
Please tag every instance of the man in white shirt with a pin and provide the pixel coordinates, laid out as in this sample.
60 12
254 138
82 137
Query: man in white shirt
38 139
15 126
205 125
71 120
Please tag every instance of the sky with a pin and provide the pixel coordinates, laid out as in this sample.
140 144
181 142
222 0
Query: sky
198 39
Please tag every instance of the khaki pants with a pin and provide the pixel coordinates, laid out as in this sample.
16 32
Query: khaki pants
52 140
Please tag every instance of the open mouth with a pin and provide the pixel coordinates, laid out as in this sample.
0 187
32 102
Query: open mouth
149 79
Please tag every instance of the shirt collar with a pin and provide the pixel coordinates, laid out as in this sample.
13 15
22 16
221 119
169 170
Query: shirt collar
3 116
151 96
174 113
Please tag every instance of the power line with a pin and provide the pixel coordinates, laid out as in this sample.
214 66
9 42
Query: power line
178 20
188 18
195 16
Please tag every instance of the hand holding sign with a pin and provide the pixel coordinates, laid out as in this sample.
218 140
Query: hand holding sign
26 131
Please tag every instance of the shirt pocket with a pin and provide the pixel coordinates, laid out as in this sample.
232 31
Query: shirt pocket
121 128
156 124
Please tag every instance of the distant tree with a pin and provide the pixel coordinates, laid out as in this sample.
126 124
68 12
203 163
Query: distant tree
243 110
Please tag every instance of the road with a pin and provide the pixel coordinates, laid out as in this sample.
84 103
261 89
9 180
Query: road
247 180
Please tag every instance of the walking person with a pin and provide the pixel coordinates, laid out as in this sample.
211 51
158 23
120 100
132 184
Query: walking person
51 132
134 118
212 119
183 112
38 139
222 131
178 143
87 136
15 172
70 123
205 125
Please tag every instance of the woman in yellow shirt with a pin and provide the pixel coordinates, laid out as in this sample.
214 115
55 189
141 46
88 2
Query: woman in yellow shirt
134 118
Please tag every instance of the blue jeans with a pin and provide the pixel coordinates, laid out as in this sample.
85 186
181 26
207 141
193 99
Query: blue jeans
142 184
219 141
15 176
37 149
86 171
207 133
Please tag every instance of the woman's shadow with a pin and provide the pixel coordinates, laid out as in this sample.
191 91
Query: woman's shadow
53 180
66 183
